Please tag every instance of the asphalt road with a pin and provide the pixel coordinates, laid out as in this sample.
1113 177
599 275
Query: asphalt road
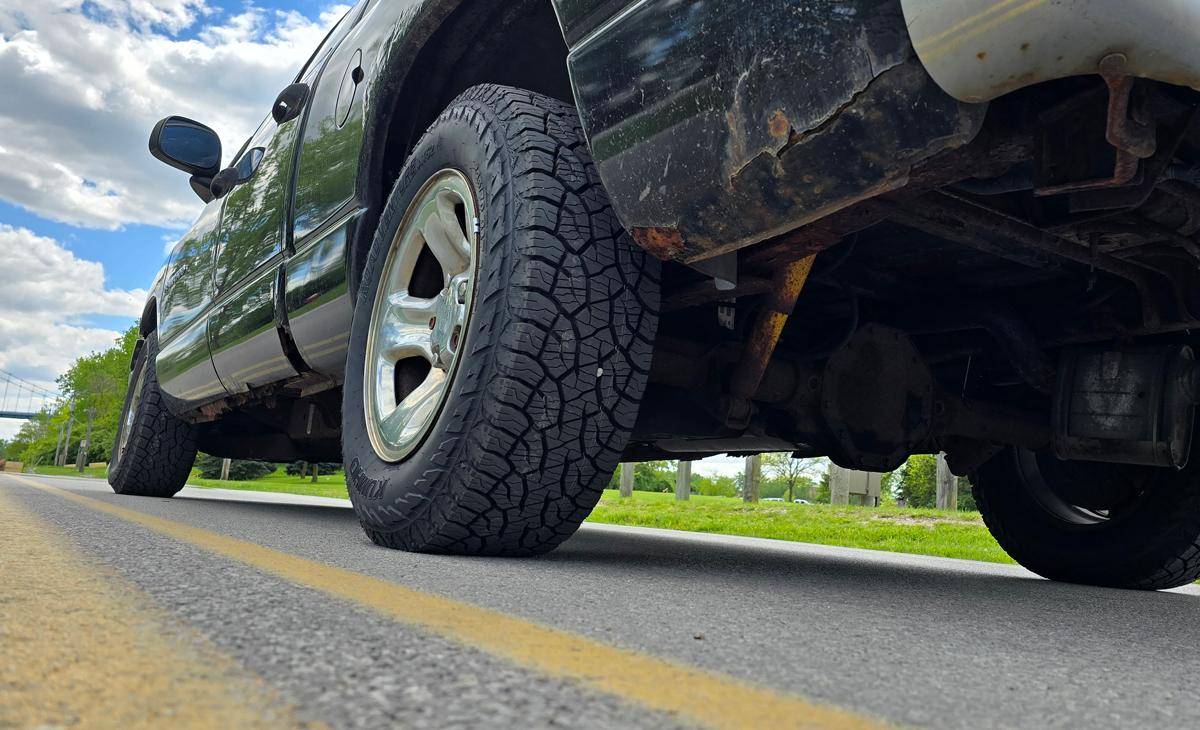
621 627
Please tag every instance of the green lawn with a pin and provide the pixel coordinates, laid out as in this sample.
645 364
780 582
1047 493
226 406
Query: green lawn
99 472
922 532
333 485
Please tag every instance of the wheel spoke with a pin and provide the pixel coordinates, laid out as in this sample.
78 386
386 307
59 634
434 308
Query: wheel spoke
404 307
404 330
409 418
445 237
399 340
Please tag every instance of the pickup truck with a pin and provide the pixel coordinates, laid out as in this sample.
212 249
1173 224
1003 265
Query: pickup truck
483 252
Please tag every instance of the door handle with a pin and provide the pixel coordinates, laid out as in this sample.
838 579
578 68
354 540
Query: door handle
289 103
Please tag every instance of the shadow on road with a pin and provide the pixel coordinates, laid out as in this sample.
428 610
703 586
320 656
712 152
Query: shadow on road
871 576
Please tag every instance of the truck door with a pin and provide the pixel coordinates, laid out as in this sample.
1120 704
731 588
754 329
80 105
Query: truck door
243 338
245 328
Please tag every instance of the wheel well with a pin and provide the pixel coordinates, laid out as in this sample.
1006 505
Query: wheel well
518 43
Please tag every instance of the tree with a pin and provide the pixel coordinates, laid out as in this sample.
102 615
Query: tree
649 476
716 486
98 382
239 470
301 468
916 483
796 474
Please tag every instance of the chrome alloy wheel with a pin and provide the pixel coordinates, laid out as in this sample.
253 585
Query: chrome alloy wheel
420 316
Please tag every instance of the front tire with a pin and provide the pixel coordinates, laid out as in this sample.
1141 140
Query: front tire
493 427
154 451
1099 524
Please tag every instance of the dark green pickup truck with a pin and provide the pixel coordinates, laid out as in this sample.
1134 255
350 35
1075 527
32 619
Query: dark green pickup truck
484 251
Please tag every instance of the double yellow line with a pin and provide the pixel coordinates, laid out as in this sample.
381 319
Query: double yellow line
694 694
78 648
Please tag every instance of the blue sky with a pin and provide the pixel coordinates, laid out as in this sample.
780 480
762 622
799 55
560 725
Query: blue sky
85 213
133 254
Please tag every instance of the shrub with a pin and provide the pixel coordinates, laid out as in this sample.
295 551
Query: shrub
304 468
239 470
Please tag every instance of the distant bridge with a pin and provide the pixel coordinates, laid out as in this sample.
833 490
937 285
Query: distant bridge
21 399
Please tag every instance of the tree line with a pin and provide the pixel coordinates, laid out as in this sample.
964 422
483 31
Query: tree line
94 386
914 484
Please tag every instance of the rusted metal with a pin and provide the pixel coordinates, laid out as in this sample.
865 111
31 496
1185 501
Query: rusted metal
786 287
1124 132
704 292
962 221
752 119
663 243
989 155
1132 140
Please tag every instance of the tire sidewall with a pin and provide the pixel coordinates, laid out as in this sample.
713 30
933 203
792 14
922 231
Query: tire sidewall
417 488
1120 553
140 363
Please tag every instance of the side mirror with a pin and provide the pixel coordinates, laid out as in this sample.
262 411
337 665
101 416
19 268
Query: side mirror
186 145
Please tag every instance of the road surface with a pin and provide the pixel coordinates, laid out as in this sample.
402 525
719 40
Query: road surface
235 608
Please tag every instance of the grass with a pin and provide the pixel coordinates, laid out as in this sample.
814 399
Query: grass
95 472
917 531
333 485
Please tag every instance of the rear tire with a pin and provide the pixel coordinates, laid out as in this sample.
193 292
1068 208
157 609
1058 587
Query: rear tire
154 451
537 398
1098 524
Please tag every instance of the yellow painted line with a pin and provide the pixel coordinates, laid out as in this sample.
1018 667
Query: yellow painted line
79 648
701 696
928 55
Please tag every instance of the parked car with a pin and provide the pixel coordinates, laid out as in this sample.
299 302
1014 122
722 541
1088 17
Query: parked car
773 499
801 501
485 251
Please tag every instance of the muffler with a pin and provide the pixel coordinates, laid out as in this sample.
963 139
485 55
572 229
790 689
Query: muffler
1126 406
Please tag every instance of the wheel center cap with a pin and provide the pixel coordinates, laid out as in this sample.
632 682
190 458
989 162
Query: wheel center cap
449 313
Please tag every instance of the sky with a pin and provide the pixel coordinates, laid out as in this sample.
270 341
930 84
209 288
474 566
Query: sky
86 215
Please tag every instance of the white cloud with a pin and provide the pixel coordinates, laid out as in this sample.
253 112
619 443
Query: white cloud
43 309
84 83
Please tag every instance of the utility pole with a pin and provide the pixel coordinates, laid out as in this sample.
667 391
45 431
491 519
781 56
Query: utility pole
58 446
626 480
683 481
750 487
67 443
947 485
225 463
81 459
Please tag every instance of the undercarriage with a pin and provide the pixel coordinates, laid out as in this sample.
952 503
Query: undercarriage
1035 287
